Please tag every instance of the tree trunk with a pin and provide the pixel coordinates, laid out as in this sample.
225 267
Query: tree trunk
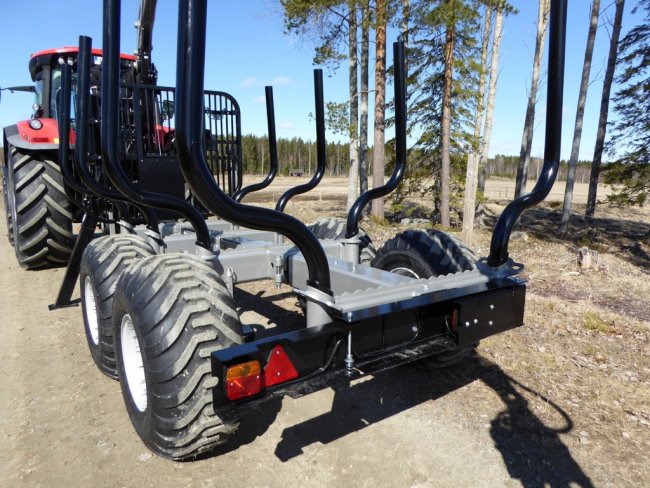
363 123
471 179
353 180
604 111
448 56
494 73
378 159
577 131
529 121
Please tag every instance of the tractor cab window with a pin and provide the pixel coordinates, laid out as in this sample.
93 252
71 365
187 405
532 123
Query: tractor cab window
55 91
38 85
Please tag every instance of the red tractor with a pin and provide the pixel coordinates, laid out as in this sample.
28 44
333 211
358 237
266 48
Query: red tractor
39 206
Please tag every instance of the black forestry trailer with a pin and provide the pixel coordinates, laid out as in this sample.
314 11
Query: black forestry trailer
158 303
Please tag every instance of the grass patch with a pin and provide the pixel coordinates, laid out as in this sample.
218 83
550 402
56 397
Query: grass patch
593 321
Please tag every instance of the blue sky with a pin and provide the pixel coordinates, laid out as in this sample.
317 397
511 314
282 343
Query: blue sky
247 49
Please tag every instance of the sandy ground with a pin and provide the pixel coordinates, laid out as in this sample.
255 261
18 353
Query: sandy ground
490 422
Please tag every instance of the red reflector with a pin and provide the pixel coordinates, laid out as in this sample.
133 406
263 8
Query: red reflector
454 320
279 368
243 380
40 139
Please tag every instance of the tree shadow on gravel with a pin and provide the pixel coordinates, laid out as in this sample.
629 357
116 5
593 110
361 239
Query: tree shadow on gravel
629 239
532 451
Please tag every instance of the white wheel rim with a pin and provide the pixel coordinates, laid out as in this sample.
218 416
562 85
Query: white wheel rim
91 311
133 365
405 272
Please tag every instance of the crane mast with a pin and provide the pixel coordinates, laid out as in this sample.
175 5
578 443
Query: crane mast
146 71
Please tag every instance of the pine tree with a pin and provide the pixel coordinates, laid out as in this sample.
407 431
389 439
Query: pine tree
604 111
529 121
630 142
577 131
378 156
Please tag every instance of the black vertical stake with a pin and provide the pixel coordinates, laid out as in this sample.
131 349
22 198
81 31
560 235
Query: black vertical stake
555 86
355 213
321 147
86 234
273 150
89 220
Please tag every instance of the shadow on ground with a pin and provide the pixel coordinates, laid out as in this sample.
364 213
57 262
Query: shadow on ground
532 451
629 239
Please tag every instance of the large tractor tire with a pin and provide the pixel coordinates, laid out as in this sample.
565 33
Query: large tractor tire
425 254
41 213
8 205
102 263
170 312
334 228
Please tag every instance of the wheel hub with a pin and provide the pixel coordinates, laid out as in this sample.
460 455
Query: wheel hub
91 311
133 364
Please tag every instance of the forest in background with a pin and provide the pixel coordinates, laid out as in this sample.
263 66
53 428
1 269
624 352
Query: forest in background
297 154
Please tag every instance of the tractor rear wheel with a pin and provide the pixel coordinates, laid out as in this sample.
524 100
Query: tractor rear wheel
334 228
425 254
41 213
170 312
102 263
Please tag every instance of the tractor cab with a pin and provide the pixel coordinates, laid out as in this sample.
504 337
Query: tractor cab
45 70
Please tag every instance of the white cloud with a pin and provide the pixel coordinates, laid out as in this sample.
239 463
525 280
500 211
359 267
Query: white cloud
250 81
260 100
281 80
287 125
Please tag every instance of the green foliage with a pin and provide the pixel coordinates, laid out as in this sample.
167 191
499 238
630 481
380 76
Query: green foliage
634 181
425 90
322 22
630 141
336 118
294 153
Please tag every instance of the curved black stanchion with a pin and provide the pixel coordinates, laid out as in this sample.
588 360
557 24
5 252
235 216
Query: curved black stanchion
64 132
557 40
355 213
273 150
190 71
321 147
84 62
110 130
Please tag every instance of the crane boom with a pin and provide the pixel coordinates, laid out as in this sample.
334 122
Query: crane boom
146 72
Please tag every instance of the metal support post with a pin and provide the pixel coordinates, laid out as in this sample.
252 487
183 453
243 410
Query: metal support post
86 234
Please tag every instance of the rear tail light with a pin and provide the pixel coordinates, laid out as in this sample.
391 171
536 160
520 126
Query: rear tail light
454 320
243 380
247 379
279 368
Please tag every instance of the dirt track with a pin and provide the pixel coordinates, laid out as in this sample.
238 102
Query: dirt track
64 423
